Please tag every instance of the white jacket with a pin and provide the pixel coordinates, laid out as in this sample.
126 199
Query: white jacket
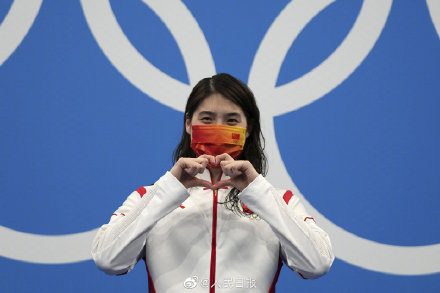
191 243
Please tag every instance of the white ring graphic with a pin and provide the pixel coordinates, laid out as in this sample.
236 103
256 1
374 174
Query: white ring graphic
434 11
141 73
16 25
45 249
402 260
330 73
334 70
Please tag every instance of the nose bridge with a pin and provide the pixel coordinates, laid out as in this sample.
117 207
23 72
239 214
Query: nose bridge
218 119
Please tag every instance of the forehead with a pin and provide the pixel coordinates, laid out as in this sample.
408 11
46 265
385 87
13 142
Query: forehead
218 104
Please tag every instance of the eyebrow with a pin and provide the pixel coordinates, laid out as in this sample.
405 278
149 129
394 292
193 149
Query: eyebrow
207 113
231 114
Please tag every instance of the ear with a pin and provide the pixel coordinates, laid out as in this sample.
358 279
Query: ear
188 126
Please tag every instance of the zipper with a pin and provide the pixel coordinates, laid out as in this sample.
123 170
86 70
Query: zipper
213 243
214 237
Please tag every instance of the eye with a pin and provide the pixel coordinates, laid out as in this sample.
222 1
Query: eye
206 119
232 121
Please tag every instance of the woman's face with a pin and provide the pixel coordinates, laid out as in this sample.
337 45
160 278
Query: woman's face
215 109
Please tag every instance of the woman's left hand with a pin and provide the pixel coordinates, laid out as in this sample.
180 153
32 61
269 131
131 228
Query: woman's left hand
241 173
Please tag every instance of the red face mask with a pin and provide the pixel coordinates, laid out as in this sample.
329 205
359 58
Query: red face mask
215 140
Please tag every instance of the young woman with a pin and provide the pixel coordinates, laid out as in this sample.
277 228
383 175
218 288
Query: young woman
213 223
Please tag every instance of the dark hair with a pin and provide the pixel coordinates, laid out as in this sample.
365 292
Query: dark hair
236 91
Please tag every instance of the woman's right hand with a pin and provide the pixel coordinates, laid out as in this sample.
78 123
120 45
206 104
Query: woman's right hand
185 170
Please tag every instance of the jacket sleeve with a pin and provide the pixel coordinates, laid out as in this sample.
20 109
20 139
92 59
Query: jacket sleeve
119 244
305 248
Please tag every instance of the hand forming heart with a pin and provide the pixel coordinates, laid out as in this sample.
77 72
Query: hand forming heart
241 173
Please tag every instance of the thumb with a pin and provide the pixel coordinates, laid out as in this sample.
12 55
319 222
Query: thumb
223 183
200 182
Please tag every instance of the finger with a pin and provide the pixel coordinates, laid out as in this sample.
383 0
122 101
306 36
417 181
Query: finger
242 166
193 166
223 183
203 166
201 182
203 162
211 159
191 170
238 165
235 171
225 163
231 169
223 157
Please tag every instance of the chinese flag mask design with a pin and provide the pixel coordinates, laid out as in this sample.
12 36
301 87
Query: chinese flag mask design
215 140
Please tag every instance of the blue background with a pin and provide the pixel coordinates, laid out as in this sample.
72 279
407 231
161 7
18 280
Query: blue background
77 137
